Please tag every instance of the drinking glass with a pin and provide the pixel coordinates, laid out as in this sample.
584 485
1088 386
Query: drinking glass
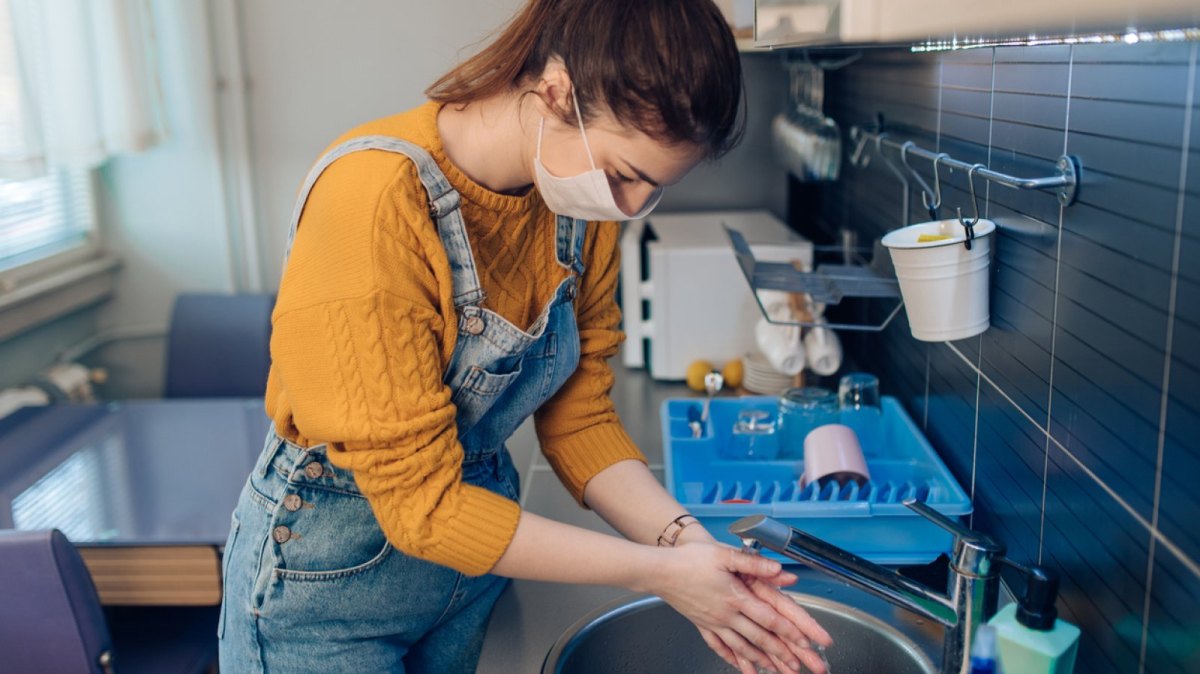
800 411
858 398
753 437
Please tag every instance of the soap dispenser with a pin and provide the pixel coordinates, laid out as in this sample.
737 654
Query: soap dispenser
1030 637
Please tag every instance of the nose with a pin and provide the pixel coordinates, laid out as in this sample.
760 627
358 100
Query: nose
634 198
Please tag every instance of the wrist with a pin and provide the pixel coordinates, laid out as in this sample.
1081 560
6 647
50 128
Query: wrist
696 533
650 570
674 530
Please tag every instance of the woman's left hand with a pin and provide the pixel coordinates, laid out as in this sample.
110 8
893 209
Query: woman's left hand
770 593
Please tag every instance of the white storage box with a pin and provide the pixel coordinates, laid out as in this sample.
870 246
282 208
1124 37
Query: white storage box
683 295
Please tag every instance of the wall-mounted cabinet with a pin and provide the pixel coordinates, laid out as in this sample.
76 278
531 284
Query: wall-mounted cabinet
781 23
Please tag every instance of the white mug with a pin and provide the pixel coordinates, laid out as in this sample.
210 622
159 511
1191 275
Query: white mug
822 351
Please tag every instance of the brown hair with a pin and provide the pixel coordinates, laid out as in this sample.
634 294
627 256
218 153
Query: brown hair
669 68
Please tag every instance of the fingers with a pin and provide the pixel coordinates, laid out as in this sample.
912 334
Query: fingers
784 579
765 641
747 654
793 612
752 565
714 642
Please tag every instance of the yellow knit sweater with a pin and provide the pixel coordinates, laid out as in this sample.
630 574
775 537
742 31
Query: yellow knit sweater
364 327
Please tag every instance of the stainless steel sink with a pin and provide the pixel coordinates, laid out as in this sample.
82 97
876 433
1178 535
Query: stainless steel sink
647 636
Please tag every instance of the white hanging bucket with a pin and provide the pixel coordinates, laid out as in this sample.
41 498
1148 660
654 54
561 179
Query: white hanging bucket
944 285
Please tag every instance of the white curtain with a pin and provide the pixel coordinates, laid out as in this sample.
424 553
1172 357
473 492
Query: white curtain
78 84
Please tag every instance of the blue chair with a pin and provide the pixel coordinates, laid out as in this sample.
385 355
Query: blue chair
219 345
51 620
50 615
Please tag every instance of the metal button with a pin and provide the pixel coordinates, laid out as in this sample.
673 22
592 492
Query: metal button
281 534
571 293
292 502
314 470
474 325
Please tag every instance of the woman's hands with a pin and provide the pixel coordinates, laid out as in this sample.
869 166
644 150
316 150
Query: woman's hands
734 600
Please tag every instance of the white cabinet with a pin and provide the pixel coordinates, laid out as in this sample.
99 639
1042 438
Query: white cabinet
840 22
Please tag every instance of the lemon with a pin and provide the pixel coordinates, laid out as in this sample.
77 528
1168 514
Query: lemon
926 238
733 373
695 374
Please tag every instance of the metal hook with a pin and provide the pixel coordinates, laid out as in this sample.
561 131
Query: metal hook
925 189
900 175
937 185
974 200
857 158
970 226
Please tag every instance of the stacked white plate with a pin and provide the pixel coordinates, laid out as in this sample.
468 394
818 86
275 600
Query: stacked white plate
761 378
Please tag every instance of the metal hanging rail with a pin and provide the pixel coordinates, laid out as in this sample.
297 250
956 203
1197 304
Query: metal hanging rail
1065 184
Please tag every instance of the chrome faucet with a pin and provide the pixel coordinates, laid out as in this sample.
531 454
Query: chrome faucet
970 598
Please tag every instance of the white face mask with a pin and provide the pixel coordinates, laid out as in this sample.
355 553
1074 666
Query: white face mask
587 196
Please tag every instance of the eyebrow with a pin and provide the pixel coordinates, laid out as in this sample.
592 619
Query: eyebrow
642 175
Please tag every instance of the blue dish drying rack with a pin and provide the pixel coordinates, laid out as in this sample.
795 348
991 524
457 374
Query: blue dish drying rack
871 521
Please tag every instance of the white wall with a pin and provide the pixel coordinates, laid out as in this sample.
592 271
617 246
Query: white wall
161 210
318 68
313 70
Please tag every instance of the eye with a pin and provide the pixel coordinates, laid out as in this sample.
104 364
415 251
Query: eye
621 178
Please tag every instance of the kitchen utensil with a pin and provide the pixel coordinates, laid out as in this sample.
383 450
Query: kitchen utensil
694 421
858 400
780 344
857 390
760 377
800 411
833 451
944 285
753 437
822 350
807 141
713 383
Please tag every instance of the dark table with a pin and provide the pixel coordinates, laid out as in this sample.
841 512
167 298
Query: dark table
144 489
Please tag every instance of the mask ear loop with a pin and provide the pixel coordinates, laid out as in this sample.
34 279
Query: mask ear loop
579 118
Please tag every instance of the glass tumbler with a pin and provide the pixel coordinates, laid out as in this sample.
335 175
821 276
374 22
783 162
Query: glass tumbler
858 399
753 437
800 411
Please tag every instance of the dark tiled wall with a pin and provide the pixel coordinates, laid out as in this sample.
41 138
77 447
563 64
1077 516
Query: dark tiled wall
1074 421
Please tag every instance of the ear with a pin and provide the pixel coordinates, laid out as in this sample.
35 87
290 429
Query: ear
554 90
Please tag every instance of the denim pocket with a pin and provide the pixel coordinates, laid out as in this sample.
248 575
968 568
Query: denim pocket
478 392
234 527
330 535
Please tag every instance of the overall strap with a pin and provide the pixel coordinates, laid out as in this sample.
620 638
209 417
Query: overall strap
444 204
569 237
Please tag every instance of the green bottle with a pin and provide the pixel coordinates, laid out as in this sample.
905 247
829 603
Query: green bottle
1030 637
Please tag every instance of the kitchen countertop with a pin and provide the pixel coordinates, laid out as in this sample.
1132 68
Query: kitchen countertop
530 616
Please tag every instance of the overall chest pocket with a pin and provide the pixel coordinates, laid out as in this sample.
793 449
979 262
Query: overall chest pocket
478 392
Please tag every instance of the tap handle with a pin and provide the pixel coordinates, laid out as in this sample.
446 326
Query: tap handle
960 532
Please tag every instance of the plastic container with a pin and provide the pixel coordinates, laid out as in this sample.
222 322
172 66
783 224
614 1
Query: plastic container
869 520
944 285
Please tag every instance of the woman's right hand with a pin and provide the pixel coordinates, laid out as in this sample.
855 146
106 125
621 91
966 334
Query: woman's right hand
733 598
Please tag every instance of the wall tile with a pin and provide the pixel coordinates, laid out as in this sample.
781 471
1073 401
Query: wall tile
1142 82
1103 312
1047 111
1113 441
1107 573
1032 78
1172 646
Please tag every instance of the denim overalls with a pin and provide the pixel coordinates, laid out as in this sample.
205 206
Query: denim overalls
311 583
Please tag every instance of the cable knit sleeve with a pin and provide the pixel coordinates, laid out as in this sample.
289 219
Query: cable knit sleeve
578 428
360 342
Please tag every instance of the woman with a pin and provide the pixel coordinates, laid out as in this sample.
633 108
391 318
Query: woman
452 271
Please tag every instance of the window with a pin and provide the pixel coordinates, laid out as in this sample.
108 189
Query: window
41 216
46 217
